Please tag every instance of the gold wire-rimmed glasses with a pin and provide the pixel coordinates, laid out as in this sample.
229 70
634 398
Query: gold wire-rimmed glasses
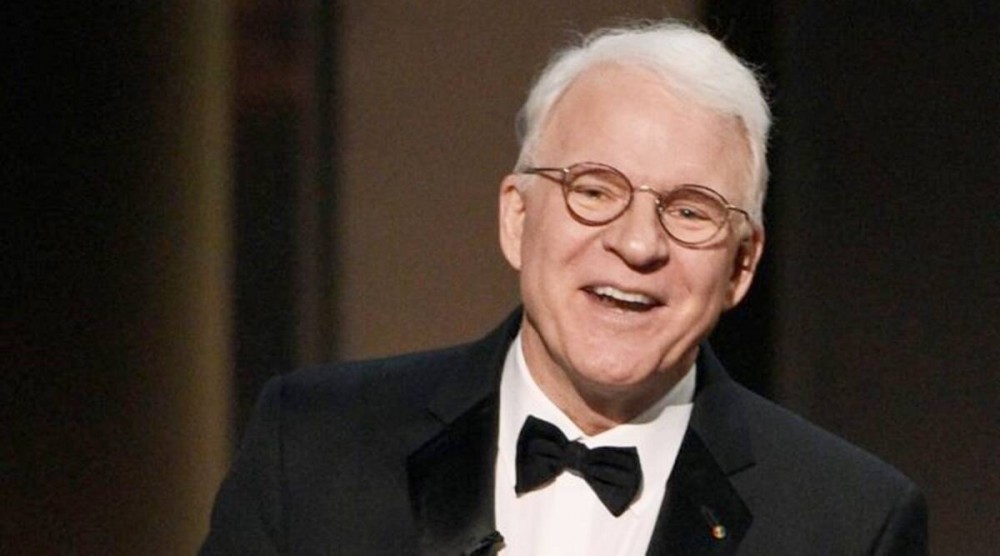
597 194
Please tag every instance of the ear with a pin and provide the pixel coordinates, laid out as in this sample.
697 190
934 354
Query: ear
511 220
748 254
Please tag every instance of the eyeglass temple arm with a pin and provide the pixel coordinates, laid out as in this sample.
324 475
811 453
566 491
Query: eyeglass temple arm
542 171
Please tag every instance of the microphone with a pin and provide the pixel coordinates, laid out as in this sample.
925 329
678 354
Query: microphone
486 546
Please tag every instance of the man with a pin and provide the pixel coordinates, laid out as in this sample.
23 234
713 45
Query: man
595 420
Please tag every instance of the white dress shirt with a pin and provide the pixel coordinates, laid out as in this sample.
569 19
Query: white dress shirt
565 517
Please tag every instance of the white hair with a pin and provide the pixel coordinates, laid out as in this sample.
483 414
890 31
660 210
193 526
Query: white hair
692 63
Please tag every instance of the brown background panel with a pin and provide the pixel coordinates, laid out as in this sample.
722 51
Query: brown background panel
428 95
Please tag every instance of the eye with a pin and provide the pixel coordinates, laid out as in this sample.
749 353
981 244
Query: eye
688 206
593 191
688 212
597 196
598 189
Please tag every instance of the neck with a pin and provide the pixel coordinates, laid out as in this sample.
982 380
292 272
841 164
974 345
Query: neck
594 407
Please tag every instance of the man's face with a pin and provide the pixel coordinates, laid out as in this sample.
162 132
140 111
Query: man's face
619 309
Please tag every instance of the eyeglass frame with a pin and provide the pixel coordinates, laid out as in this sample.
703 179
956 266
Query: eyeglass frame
569 173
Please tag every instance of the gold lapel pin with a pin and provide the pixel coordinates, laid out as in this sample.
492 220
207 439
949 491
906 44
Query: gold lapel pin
718 530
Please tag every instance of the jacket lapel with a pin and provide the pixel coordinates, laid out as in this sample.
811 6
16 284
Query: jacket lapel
702 513
451 474
451 484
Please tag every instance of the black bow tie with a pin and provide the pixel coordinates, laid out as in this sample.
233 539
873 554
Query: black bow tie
543 453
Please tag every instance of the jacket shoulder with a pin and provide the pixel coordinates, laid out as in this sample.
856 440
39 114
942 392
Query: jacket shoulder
325 438
804 476
393 382
781 436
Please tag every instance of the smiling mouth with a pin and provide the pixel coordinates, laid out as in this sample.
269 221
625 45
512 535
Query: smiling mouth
627 301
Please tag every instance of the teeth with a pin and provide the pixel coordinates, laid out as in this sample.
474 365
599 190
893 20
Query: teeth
628 297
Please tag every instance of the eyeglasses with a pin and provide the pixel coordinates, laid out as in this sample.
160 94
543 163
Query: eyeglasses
597 194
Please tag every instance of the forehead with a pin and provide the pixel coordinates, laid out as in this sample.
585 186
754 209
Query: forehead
631 118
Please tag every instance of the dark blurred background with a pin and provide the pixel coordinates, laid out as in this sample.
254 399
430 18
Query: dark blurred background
199 195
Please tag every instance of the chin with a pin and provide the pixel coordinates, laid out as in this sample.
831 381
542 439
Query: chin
611 374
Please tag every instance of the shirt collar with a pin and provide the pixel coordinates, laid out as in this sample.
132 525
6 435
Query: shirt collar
656 433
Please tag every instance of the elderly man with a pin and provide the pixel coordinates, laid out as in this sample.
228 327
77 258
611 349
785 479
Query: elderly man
595 420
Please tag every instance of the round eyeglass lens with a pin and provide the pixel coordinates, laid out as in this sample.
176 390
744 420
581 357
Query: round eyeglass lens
693 215
597 195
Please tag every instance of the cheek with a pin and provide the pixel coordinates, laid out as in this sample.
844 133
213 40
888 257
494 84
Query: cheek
551 238
543 260
704 276
538 255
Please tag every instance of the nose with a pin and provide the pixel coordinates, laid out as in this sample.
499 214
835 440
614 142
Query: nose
637 236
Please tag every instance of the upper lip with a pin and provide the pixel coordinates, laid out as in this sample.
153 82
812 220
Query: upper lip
632 295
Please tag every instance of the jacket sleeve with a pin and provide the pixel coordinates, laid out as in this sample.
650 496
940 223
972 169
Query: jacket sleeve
905 529
247 516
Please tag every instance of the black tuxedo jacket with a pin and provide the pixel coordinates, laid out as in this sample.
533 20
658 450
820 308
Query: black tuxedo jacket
397 456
